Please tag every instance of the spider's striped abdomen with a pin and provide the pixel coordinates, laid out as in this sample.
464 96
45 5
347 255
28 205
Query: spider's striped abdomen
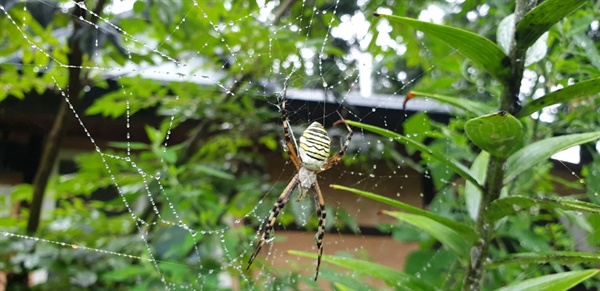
314 147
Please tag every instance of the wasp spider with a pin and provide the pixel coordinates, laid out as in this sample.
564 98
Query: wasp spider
311 157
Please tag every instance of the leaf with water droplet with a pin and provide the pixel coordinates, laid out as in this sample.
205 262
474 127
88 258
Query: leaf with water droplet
390 276
559 281
512 204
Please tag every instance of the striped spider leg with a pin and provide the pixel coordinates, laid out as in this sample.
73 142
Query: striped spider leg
310 157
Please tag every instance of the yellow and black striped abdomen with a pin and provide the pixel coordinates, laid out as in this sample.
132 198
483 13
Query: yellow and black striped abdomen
314 147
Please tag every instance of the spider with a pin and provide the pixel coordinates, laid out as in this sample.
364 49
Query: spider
311 158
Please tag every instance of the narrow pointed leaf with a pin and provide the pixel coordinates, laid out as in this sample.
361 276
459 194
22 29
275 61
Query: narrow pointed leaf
392 277
541 18
210 171
473 107
512 204
456 166
450 238
476 48
341 287
564 258
540 151
554 282
466 232
581 89
472 193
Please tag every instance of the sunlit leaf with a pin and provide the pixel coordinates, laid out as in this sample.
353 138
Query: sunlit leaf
541 18
392 277
554 282
472 193
512 204
540 151
465 231
341 287
505 35
467 43
581 89
449 237
474 107
456 166
565 258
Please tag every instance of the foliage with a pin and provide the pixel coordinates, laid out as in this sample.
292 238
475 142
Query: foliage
509 195
509 201
164 191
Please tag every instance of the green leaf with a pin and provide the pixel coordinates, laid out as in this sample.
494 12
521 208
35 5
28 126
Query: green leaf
581 89
554 282
129 145
456 166
432 265
123 273
512 204
500 133
417 127
469 44
564 258
472 193
210 171
541 18
391 276
466 232
153 134
450 238
540 151
476 108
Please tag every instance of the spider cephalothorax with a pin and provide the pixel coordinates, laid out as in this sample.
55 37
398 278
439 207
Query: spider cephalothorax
310 156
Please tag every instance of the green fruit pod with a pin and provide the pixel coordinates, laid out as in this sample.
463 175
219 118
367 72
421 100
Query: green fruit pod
500 134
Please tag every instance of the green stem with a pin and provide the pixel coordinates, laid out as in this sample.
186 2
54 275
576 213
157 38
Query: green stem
485 229
509 101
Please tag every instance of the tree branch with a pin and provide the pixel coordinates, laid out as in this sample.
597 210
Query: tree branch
62 120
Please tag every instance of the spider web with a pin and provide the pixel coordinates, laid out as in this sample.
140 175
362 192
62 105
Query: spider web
340 97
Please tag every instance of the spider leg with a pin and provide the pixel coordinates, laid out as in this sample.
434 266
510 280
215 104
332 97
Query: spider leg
334 160
290 142
321 214
270 221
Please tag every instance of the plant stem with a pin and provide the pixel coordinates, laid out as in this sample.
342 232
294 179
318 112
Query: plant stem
485 229
509 102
